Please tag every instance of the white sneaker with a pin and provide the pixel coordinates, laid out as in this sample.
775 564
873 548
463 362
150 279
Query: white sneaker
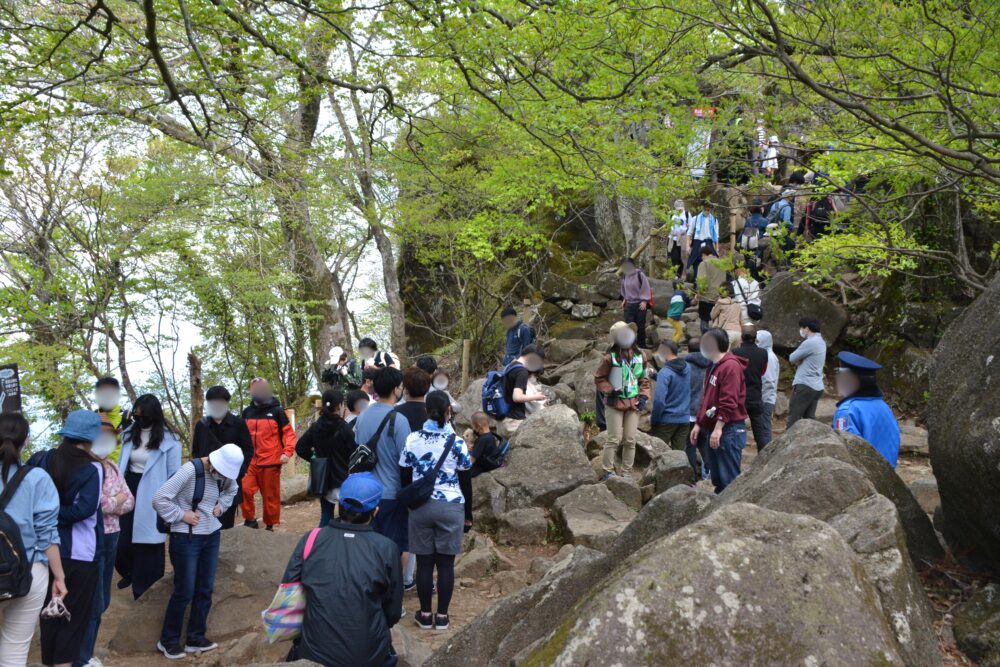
94 662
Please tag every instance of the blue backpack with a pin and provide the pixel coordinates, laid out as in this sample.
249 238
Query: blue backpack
494 403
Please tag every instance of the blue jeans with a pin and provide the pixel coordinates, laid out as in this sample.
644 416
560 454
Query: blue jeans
325 512
726 460
105 559
194 558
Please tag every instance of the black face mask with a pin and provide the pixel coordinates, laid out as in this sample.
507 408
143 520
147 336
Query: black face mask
142 421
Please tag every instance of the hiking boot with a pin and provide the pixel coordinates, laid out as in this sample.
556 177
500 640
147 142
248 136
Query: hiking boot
200 645
251 523
440 621
173 652
424 620
606 476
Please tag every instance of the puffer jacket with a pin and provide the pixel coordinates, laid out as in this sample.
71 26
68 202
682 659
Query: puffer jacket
727 315
271 432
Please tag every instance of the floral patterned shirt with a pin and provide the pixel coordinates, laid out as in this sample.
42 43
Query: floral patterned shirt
114 484
422 451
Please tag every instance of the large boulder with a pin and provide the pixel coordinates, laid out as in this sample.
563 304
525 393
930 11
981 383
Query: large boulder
647 449
662 291
294 489
592 516
251 564
561 350
905 373
471 401
745 586
786 299
977 626
667 470
582 381
965 429
556 288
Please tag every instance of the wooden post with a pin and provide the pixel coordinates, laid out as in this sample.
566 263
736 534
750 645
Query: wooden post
197 393
466 360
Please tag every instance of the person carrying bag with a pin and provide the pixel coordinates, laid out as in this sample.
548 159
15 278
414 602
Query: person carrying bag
420 491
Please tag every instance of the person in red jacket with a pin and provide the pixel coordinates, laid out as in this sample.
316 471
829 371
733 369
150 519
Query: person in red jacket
273 446
722 412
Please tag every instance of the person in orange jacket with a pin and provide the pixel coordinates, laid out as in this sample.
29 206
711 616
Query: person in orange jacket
273 446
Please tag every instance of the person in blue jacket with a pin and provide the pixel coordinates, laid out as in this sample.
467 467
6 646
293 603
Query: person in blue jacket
863 411
519 335
670 419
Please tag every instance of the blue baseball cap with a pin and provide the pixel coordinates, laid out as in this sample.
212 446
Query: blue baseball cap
857 363
82 425
361 492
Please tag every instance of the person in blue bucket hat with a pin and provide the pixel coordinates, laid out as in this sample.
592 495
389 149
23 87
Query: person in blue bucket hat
863 411
353 583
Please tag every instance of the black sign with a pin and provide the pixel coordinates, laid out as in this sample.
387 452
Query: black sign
10 389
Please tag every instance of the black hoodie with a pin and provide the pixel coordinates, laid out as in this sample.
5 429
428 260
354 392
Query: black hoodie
330 438
699 364
754 374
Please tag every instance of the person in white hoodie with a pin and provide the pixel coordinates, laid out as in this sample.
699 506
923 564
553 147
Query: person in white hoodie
769 382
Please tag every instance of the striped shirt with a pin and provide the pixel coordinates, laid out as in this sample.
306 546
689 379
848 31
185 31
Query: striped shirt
173 499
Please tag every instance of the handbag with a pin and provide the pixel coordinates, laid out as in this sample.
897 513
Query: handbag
419 492
319 476
283 617
364 458
754 311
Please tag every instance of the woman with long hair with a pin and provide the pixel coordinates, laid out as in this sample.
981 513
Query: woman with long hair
77 476
29 498
150 455
329 437
621 381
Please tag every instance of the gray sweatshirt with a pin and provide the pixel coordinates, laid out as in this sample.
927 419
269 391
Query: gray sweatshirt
810 357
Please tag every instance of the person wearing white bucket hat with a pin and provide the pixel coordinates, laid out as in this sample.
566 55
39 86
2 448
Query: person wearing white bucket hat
623 386
190 503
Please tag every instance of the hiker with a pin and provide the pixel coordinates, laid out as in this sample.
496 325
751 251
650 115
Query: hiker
757 360
704 233
746 292
108 396
670 418
709 281
345 375
678 240
807 385
637 296
384 430
77 477
218 427
416 384
330 437
427 364
352 581
273 445
31 500
769 387
699 365
516 377
782 211
436 527
372 356
722 413
621 381
862 410
770 163
356 402
816 221
486 453
679 302
440 381
368 381
116 500
519 335
191 502
727 315
151 454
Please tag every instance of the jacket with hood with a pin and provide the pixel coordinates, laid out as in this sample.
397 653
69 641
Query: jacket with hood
271 432
756 367
726 391
329 438
769 383
727 314
699 363
614 399
672 398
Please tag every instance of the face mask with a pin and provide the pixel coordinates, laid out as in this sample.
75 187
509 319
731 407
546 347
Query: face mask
261 397
625 340
802 333
440 385
360 406
366 353
216 409
142 421
104 445
107 400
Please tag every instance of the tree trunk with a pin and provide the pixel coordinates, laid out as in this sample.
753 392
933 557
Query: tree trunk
197 392
390 276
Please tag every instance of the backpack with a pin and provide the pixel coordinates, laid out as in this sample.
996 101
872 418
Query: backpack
494 403
750 238
364 458
15 569
196 497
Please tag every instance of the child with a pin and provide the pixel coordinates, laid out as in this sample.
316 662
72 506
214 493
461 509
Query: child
486 450
678 302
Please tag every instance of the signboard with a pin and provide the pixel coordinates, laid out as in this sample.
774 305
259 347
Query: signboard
10 389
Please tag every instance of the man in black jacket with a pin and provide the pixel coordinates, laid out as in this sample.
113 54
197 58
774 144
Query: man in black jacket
754 373
353 584
221 427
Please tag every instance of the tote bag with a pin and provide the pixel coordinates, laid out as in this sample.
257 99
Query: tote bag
283 618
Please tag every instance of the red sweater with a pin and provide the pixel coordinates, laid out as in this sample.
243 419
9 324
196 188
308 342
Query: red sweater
725 390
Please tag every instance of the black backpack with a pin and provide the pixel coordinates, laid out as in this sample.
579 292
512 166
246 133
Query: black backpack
196 497
15 568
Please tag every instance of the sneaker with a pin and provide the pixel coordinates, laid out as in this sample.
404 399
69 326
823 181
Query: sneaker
606 476
94 662
270 528
440 621
200 645
171 652
124 583
424 620
402 612
411 586
251 523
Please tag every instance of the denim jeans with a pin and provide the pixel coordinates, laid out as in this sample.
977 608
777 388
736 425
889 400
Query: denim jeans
102 598
194 558
725 461
325 512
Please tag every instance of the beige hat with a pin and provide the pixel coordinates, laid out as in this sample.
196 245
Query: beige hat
621 326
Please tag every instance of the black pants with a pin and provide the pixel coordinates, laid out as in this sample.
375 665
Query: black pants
61 639
802 404
633 313
759 424
140 565
705 314
676 263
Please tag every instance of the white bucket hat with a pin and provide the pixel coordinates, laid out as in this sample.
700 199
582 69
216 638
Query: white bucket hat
227 461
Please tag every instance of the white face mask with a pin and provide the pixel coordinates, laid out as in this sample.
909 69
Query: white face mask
107 399
625 339
441 384
802 333
216 409
104 445
360 406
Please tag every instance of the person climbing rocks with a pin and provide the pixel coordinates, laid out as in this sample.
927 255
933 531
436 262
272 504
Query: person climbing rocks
374 357
862 410
519 335
516 379
722 413
637 296
727 315
273 445
704 233
809 357
621 380
679 302
709 281
670 417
